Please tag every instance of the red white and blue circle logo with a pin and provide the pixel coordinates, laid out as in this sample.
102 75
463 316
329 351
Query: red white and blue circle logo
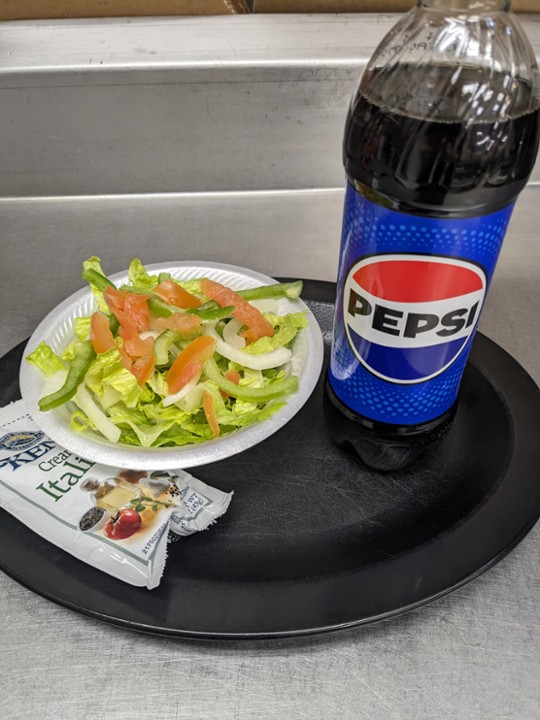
408 317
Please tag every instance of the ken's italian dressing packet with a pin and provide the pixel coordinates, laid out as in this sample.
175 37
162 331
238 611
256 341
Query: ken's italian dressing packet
115 520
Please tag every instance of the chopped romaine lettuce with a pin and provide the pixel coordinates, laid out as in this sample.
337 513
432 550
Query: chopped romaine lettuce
82 327
140 278
107 371
286 327
45 359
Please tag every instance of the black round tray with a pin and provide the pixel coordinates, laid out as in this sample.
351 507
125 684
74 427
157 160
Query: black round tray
312 541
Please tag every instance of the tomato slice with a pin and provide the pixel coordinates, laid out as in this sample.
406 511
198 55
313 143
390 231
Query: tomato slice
175 295
101 336
129 308
184 323
233 376
142 368
189 362
209 408
114 298
255 321
136 309
190 372
133 345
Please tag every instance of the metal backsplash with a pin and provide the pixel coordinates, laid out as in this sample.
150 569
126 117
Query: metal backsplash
163 105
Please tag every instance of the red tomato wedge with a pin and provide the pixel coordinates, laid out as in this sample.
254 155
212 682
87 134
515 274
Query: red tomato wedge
114 298
142 368
255 321
101 336
184 323
189 363
209 408
129 308
136 309
250 336
233 376
190 372
133 345
175 295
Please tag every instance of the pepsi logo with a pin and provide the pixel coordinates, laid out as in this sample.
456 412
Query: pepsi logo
408 317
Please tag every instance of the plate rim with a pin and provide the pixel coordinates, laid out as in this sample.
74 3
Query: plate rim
179 457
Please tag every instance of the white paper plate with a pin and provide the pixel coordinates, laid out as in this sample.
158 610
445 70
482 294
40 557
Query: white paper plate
57 329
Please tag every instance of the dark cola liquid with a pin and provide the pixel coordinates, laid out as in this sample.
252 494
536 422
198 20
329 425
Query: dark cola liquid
442 167
436 168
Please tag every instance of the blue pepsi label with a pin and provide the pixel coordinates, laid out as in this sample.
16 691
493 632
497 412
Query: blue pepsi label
410 294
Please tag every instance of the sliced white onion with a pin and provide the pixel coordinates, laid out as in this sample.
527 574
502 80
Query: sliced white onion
107 428
231 336
265 305
255 362
175 397
287 368
192 400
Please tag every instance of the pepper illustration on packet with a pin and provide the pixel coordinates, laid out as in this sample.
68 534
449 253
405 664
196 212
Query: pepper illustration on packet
116 520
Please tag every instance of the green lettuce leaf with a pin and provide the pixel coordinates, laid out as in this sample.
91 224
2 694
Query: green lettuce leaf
94 263
229 419
158 383
251 378
44 358
177 435
82 327
157 426
192 286
286 326
68 353
107 371
139 277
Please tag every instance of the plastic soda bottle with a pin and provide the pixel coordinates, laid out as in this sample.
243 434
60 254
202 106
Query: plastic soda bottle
440 138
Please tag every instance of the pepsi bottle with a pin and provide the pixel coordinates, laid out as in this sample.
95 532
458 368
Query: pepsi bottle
440 138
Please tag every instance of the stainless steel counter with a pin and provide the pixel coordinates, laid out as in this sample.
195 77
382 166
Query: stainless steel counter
472 655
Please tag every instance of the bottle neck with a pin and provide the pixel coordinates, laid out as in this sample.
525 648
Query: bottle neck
90 485
470 7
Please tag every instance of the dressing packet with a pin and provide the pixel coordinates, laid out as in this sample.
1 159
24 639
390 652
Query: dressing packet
116 520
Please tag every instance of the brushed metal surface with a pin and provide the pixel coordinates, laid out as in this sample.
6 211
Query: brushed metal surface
181 105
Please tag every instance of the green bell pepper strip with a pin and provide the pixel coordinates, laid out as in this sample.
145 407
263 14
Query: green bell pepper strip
162 309
159 308
134 289
162 346
84 355
212 314
288 386
291 290
98 280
